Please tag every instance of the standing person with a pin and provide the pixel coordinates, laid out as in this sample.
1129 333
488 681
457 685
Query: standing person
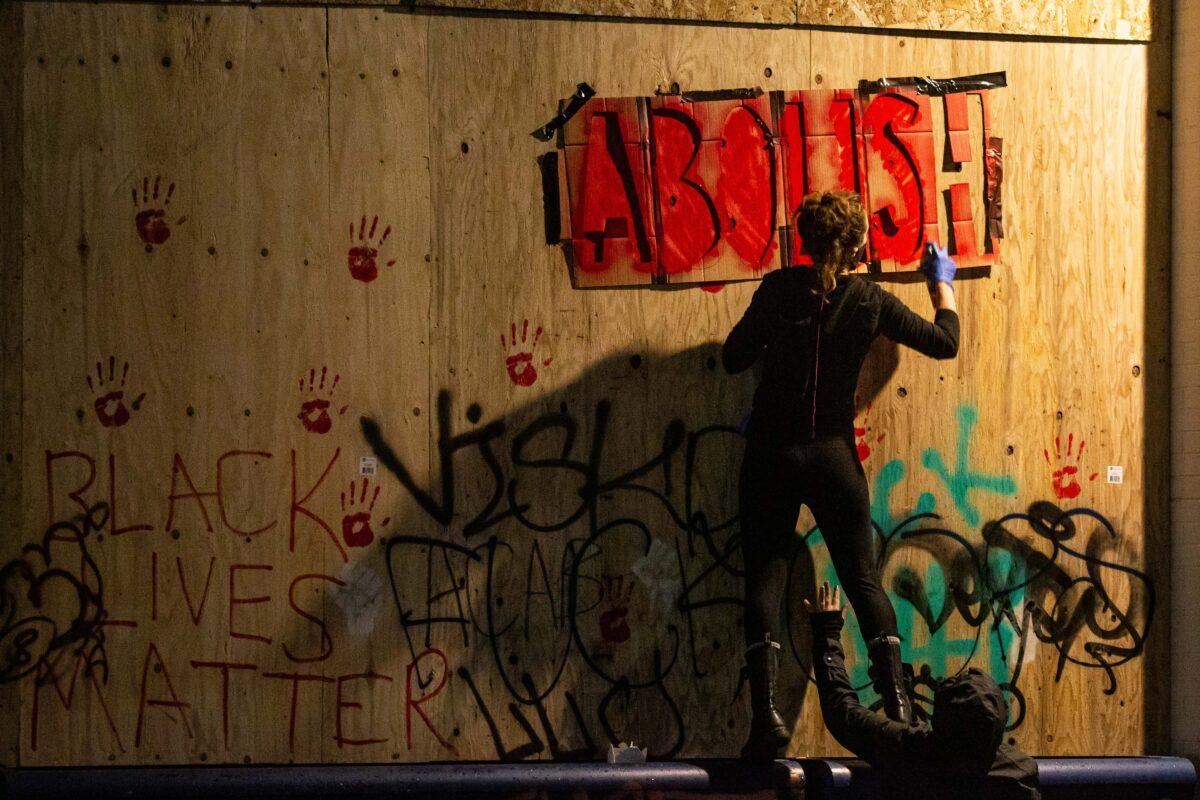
812 329
960 754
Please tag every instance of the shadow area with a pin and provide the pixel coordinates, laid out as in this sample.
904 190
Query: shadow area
1155 377
569 572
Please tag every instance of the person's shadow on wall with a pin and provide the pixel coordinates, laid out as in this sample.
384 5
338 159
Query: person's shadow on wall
577 561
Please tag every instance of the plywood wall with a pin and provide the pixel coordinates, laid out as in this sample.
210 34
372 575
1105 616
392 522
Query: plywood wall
551 563
11 158
1123 20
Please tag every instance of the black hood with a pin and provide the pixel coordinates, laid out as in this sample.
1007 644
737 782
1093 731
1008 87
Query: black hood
969 718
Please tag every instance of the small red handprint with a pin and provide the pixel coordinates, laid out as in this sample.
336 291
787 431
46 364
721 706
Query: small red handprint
521 370
356 510
1064 481
314 412
151 218
110 406
362 257
861 431
614 623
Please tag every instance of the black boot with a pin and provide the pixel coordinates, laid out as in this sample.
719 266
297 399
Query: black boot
887 675
768 734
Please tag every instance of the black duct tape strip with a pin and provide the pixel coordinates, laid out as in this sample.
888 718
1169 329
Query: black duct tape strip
548 164
938 86
583 93
722 94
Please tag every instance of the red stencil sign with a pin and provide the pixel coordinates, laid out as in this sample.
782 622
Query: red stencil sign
702 188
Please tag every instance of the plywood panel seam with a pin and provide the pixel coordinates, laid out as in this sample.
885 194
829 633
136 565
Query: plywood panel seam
12 260
1153 22
434 254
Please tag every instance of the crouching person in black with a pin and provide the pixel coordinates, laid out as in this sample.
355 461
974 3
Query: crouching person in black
961 755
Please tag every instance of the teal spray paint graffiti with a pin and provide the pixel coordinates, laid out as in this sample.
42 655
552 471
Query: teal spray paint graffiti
925 603
1010 593
963 480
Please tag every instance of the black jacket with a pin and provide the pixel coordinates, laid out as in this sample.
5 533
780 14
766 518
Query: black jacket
814 347
959 757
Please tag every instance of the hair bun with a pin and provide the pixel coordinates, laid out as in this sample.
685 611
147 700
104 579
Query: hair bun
831 227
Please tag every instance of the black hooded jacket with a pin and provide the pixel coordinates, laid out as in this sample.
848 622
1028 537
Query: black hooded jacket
813 348
962 756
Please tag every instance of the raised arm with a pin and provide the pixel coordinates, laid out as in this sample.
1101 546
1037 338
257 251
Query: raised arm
870 736
937 339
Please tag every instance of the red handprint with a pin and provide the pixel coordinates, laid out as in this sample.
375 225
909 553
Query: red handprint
150 220
864 447
520 364
110 406
614 625
361 259
314 412
1065 485
356 525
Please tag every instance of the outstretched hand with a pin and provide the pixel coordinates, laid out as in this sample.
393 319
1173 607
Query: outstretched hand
827 600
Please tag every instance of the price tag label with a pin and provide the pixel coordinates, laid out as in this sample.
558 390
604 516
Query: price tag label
366 466
1116 474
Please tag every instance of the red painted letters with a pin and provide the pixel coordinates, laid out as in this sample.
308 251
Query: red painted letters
702 189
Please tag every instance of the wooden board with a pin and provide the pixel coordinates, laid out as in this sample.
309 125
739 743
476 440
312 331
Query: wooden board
670 189
1042 365
1129 20
11 163
703 188
614 234
551 559
822 148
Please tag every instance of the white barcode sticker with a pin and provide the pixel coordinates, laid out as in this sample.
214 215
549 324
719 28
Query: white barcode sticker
1116 474
366 465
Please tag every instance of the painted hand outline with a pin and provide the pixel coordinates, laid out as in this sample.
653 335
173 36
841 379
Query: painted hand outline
614 623
314 412
150 218
519 362
1063 480
357 510
362 258
110 407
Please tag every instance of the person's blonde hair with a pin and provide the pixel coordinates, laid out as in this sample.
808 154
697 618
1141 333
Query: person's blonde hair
831 226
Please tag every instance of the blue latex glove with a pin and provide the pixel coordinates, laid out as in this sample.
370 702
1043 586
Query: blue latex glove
937 265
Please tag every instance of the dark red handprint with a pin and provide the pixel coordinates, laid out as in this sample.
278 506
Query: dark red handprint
356 510
151 217
614 622
314 412
861 431
519 362
362 258
110 406
1063 480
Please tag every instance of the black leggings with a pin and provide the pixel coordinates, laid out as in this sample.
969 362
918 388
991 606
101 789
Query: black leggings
826 475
